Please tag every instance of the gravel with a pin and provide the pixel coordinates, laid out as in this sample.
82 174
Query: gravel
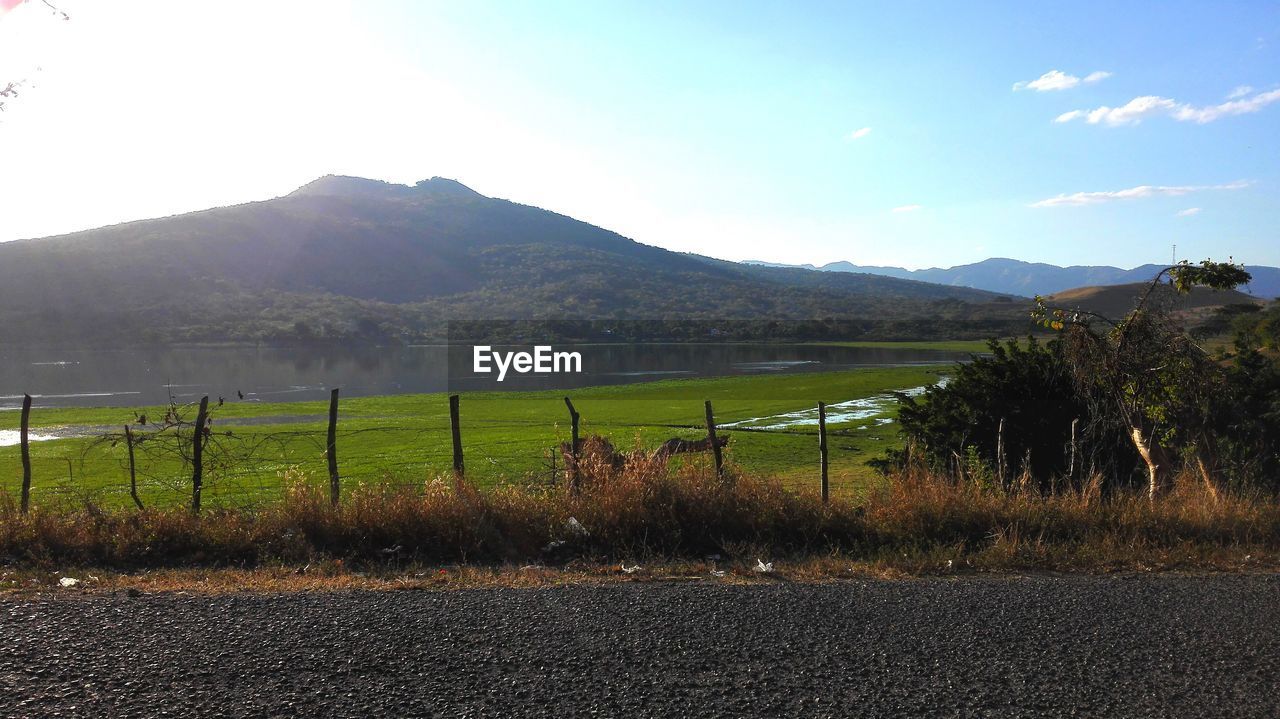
1117 646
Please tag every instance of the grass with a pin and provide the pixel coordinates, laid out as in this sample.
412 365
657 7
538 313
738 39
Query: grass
507 437
663 517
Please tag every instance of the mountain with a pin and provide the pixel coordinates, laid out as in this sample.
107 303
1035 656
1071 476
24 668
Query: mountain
1026 279
762 263
346 259
1115 301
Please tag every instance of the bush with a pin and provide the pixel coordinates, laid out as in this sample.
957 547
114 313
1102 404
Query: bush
1246 416
1030 389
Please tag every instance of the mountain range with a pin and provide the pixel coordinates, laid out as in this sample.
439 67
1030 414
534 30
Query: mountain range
350 259
1026 279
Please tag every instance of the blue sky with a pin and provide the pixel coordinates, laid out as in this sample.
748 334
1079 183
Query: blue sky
729 129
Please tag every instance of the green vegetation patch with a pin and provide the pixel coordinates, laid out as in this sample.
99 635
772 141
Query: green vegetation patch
507 437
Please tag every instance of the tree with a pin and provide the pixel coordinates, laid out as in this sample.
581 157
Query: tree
1247 415
1258 327
1144 371
1108 397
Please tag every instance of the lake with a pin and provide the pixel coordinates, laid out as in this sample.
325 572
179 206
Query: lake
100 378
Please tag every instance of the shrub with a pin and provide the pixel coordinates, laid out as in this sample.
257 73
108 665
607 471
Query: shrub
1029 389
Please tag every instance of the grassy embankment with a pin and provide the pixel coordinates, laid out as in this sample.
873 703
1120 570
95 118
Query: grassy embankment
507 437
686 520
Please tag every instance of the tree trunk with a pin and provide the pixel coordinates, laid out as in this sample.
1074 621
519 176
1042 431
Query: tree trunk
1153 455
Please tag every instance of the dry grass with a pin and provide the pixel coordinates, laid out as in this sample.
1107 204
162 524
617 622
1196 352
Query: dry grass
1190 526
669 520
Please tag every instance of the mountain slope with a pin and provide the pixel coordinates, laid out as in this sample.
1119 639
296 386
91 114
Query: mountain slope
1114 301
351 258
1016 277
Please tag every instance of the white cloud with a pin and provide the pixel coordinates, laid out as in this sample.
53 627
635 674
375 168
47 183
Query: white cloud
858 134
1146 106
1131 113
1078 199
1240 91
1188 212
1059 80
908 208
1243 106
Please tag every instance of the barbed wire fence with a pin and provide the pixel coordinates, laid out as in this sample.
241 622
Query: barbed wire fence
149 462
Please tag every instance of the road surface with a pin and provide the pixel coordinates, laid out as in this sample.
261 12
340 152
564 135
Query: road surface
1119 646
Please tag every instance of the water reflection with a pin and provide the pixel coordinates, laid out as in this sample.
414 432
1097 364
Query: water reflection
148 377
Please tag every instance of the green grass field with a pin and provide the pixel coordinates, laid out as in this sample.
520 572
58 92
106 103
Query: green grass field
507 437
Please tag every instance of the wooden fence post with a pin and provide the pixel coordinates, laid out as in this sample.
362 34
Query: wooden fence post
457 435
1000 463
197 455
331 449
133 472
715 445
822 448
1071 467
25 440
574 418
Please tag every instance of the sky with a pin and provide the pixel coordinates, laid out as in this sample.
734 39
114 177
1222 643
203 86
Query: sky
910 134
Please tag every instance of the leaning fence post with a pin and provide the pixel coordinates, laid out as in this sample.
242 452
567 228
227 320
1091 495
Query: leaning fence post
822 448
574 417
197 455
715 445
331 449
457 435
133 472
25 441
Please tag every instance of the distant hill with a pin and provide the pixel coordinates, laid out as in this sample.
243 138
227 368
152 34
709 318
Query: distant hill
1114 301
346 259
1027 279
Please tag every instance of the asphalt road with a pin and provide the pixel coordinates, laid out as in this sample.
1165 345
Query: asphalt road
1129 646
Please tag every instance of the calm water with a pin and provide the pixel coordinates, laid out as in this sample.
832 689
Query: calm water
129 378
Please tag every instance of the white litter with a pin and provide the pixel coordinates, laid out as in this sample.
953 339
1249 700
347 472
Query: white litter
68 582
630 570
762 567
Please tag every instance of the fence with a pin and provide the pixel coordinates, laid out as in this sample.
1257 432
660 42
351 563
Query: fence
195 461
